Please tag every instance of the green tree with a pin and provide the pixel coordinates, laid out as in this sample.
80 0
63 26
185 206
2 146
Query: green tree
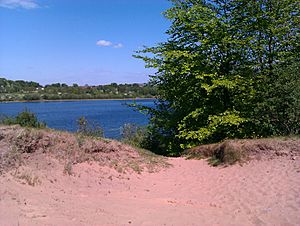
214 68
279 111
271 29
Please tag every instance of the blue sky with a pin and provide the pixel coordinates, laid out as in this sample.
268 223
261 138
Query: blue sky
78 41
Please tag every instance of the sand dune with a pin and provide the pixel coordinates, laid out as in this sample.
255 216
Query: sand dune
190 192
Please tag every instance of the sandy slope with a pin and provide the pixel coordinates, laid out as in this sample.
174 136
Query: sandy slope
189 193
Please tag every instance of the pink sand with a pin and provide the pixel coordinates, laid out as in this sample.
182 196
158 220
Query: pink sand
189 193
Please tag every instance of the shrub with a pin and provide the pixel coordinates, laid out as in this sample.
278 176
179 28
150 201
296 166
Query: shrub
30 179
68 168
24 119
228 152
134 135
7 120
89 129
31 96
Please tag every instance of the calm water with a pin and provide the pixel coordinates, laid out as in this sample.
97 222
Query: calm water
111 115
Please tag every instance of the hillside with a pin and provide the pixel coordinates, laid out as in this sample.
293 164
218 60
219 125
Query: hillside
57 178
27 91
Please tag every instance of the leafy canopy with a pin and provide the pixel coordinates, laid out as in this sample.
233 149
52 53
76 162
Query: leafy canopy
216 72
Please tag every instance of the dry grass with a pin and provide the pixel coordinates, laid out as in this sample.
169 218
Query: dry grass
233 151
22 143
10 159
68 168
29 178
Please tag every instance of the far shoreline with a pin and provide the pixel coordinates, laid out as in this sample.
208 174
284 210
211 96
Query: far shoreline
74 100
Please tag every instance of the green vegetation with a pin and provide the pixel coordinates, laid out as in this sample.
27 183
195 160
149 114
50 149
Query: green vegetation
229 69
30 91
24 119
87 128
134 135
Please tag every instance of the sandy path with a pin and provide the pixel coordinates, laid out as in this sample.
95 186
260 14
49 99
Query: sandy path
189 193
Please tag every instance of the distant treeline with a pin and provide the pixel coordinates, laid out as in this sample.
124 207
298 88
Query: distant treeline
28 91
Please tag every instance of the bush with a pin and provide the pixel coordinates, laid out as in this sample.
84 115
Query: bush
228 152
24 119
89 129
31 96
7 120
134 135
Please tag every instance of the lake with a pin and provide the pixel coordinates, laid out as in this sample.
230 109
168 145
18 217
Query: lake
111 115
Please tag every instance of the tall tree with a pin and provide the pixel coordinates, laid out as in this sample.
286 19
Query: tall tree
272 28
216 65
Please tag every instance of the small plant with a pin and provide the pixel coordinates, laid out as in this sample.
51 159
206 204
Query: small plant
136 167
134 135
10 159
24 119
88 129
214 161
225 153
30 179
6 120
80 140
68 168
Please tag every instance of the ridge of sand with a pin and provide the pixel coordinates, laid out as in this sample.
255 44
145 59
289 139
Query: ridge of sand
191 192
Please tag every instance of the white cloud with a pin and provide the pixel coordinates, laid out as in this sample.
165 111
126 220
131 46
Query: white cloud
103 43
13 4
119 45
106 43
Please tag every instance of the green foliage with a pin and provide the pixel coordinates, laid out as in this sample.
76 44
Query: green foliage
225 124
31 91
218 73
278 114
24 119
134 135
89 129
8 86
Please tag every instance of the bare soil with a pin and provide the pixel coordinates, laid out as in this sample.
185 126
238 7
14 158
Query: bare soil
56 178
